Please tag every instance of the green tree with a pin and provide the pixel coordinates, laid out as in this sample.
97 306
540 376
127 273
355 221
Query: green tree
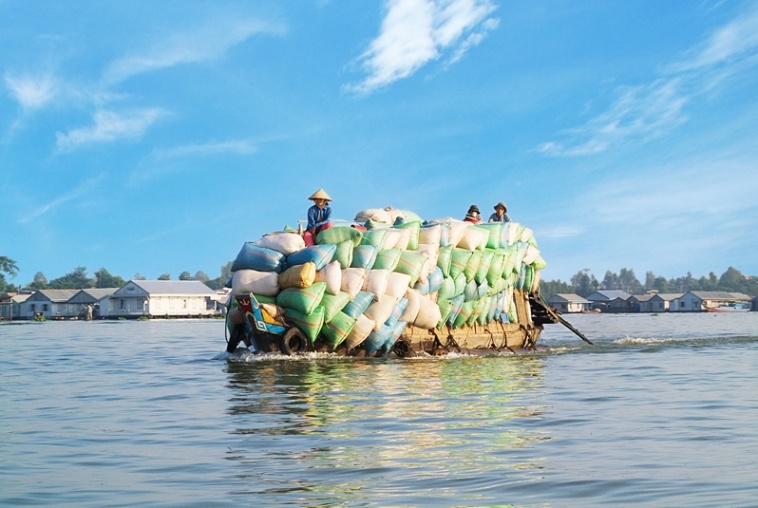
226 274
39 282
77 279
201 276
7 267
165 276
185 276
104 279
584 283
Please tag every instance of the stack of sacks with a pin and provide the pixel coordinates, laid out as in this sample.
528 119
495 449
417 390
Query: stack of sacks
365 286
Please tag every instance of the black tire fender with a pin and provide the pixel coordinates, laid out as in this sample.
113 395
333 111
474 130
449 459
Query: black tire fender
293 341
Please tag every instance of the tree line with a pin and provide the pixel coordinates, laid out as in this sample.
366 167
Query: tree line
584 283
79 278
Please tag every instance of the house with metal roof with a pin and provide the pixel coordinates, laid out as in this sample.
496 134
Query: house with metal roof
569 302
160 298
610 300
50 303
711 301
10 305
87 302
661 302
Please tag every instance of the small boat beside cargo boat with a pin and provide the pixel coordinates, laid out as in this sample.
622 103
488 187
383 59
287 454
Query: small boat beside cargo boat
390 284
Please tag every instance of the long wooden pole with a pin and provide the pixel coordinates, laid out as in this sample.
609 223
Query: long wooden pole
565 323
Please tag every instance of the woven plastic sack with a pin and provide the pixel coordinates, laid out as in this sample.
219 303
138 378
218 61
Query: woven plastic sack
473 238
436 279
447 290
458 260
336 330
397 311
364 256
457 305
397 332
377 215
446 307
430 234
429 314
472 266
514 232
309 324
481 309
484 266
460 284
376 283
414 304
397 284
380 311
252 281
387 259
431 252
467 309
471 292
332 275
444 258
422 286
343 253
333 304
359 304
376 339
303 300
391 237
252 257
286 243
361 329
495 271
457 229
374 237
539 263
530 255
298 276
339 234
404 239
415 228
411 263
320 255
353 280
495 238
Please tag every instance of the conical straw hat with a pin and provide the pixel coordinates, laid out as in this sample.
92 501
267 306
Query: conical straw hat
320 194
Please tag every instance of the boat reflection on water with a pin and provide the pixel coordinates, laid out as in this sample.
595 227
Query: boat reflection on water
454 416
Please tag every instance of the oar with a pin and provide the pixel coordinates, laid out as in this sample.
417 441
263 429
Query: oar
564 322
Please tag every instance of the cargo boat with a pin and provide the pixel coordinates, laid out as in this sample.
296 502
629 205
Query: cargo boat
390 284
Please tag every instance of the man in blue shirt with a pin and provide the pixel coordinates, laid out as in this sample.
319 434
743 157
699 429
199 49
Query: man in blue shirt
318 215
500 215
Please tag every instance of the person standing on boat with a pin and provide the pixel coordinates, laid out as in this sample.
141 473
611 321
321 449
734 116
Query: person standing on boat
500 215
318 216
473 215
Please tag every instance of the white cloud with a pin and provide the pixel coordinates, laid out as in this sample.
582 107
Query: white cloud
110 126
202 45
415 32
648 111
76 193
31 92
237 146
642 112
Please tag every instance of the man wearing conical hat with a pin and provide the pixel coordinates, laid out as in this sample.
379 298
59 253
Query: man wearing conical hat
318 216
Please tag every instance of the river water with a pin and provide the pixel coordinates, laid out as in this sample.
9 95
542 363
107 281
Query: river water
661 412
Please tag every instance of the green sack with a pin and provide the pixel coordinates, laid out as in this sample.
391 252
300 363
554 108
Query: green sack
473 264
309 324
411 263
484 266
364 256
458 261
336 330
339 234
444 259
415 227
387 259
344 253
302 300
333 304
373 237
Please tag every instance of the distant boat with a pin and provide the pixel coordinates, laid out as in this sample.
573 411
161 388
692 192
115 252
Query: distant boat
731 307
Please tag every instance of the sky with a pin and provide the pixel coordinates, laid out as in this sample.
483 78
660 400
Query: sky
157 137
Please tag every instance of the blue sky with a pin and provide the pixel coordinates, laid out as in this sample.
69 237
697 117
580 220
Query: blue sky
156 137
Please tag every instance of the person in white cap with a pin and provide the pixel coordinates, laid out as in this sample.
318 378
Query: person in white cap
318 215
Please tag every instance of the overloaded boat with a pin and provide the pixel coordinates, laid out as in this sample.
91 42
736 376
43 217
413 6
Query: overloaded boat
389 283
